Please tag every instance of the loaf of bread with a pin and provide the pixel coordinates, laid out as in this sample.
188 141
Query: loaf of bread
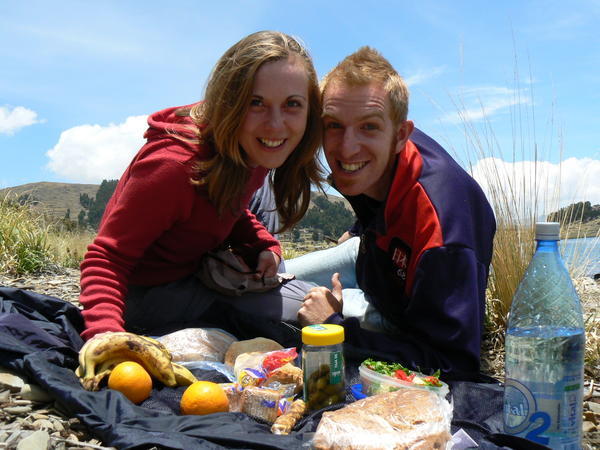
258 344
404 419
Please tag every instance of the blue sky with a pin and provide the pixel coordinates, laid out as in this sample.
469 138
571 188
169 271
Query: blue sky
77 79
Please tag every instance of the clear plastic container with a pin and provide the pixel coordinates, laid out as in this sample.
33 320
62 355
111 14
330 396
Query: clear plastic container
323 365
376 383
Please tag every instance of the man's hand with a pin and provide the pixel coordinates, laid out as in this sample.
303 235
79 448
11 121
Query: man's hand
268 263
320 303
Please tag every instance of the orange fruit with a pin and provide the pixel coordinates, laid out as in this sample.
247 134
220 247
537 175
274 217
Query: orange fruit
132 380
204 397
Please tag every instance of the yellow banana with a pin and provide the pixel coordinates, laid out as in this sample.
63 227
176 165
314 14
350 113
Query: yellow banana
128 347
103 370
183 376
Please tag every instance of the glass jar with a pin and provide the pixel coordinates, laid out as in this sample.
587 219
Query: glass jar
323 365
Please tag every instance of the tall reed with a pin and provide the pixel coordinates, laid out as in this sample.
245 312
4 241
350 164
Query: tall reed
519 198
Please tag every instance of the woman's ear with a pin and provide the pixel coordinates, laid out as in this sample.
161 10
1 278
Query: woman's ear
403 133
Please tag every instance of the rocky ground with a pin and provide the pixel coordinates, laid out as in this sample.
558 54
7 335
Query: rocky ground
29 419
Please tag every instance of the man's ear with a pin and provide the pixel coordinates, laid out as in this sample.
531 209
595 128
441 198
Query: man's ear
403 133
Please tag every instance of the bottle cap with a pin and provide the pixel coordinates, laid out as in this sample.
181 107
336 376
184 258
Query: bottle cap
547 231
323 334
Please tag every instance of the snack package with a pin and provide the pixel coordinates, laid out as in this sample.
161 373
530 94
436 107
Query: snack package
284 423
197 344
252 369
234 395
407 418
264 404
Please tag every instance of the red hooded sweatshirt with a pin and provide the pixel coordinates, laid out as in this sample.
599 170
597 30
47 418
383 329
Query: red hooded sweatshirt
157 224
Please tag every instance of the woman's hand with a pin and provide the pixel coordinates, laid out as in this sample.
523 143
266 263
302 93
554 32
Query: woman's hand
268 263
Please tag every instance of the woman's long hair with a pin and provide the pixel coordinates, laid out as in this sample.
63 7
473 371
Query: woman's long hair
220 117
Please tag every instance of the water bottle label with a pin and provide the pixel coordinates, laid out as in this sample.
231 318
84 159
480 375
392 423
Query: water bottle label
553 410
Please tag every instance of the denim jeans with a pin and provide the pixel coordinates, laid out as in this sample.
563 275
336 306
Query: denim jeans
318 268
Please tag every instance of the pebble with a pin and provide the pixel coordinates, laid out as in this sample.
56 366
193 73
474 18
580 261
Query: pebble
10 381
17 410
34 393
35 441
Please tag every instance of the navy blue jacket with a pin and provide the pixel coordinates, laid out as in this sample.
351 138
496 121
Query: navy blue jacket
423 262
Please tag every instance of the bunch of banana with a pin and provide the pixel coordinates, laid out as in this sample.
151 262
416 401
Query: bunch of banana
99 356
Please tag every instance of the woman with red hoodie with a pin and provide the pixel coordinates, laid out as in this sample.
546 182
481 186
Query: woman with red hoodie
187 190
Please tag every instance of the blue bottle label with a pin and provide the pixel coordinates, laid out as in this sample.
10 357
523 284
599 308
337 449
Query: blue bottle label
553 412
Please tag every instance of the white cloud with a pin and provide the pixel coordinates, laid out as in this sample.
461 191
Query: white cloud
423 75
91 153
480 103
532 189
12 120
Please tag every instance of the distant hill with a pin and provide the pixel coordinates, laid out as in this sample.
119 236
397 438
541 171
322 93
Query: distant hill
590 229
331 198
56 198
53 198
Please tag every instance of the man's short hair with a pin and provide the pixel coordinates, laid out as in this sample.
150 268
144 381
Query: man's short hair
366 66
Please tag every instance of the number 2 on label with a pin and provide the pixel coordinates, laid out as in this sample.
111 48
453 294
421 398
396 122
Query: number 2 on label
534 434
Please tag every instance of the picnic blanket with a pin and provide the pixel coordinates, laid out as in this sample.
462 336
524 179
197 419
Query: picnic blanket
39 340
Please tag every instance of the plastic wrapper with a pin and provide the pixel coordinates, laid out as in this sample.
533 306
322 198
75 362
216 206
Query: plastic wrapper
264 404
234 395
254 368
197 344
284 423
259 344
408 418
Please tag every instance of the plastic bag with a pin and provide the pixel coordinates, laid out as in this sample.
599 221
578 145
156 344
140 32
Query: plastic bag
252 369
408 418
197 344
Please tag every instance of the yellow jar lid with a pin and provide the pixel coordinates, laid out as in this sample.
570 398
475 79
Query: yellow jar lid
323 334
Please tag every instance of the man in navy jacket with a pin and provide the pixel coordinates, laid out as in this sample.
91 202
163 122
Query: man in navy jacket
426 228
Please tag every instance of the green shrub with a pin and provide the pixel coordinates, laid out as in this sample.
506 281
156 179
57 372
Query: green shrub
23 240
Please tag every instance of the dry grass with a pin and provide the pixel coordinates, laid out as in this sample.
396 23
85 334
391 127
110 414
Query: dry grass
518 200
31 243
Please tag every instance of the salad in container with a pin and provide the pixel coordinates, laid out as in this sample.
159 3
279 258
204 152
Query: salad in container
377 377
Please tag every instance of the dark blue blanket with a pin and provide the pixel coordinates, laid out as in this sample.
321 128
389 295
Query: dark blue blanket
39 340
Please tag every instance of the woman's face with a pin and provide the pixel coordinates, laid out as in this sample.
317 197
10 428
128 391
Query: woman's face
276 118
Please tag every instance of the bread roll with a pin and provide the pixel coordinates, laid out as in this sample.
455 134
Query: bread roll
403 419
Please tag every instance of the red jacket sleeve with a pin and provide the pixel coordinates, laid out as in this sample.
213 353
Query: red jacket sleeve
153 194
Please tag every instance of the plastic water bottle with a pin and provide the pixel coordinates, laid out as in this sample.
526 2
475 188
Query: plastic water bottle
545 343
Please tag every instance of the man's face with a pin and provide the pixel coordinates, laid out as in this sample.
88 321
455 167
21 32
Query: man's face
360 139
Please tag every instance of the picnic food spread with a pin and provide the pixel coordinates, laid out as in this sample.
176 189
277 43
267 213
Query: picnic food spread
267 382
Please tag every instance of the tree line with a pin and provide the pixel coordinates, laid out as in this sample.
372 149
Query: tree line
575 212
331 218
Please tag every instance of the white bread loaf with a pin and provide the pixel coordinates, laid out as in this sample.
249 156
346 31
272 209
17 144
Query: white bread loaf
259 344
404 419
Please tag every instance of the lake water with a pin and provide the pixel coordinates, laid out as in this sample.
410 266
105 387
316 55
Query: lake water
582 252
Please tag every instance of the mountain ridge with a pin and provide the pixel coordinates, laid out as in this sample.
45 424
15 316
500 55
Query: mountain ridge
56 198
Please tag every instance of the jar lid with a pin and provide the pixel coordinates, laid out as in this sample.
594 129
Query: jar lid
323 334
